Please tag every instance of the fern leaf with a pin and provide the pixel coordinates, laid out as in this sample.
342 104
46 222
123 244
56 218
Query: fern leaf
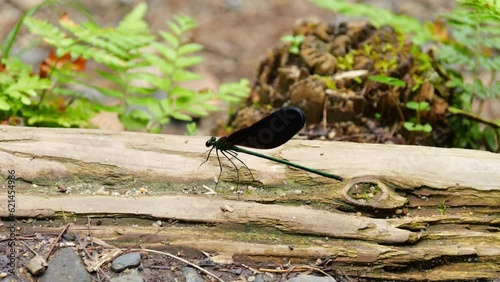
103 57
110 92
167 52
164 66
134 21
113 77
183 75
50 33
188 49
186 23
174 28
170 38
184 62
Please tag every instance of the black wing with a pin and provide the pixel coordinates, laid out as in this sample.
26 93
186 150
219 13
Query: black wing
270 132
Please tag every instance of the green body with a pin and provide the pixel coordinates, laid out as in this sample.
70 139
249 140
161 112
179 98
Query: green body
318 172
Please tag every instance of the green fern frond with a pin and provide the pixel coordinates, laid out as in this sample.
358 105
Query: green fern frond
51 34
129 51
133 22
18 85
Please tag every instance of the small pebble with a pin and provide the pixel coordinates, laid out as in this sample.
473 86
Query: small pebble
125 261
37 265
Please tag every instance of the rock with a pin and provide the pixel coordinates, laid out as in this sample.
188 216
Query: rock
264 277
237 271
125 261
191 275
311 278
65 266
133 276
37 265
5 278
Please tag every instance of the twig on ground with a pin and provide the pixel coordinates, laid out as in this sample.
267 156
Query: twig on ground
210 190
90 232
57 240
26 245
251 268
298 268
108 278
83 246
182 260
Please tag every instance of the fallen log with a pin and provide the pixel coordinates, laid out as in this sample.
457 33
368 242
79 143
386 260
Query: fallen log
403 212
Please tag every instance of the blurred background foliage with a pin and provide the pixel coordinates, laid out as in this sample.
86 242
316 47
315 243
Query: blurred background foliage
143 75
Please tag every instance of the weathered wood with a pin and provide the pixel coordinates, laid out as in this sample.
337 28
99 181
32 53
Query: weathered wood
299 220
58 153
436 212
354 257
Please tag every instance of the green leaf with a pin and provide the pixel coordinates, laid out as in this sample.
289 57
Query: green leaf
170 38
175 28
185 22
25 100
181 116
156 128
412 105
298 39
181 92
408 125
392 81
294 49
164 66
104 57
189 48
201 110
131 123
418 127
134 21
418 106
140 90
423 106
14 94
113 109
191 129
51 33
287 38
166 51
490 138
4 106
182 75
140 115
184 62
68 92
110 92
113 77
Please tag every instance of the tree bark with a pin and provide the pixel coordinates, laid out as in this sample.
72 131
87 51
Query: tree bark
402 212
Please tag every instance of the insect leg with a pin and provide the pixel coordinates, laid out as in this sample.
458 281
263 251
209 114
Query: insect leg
237 169
220 166
234 155
208 156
